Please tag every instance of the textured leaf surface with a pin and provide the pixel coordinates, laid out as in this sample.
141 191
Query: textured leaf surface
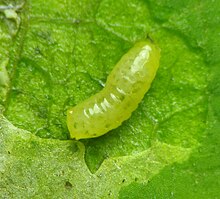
55 54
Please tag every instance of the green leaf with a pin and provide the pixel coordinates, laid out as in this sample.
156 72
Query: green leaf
29 163
55 54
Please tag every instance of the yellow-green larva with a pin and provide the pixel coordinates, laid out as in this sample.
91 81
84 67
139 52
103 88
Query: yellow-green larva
125 87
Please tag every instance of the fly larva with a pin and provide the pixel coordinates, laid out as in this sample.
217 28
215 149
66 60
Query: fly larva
125 87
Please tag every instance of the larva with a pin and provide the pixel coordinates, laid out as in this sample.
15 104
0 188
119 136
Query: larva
125 87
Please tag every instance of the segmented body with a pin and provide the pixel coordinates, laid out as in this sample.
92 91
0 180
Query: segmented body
125 87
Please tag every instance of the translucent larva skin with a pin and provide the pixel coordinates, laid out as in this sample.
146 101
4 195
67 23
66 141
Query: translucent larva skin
125 87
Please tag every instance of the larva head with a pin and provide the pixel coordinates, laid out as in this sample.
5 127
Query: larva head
77 123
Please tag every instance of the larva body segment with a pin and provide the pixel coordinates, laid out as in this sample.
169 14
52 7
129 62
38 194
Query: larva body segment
125 87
